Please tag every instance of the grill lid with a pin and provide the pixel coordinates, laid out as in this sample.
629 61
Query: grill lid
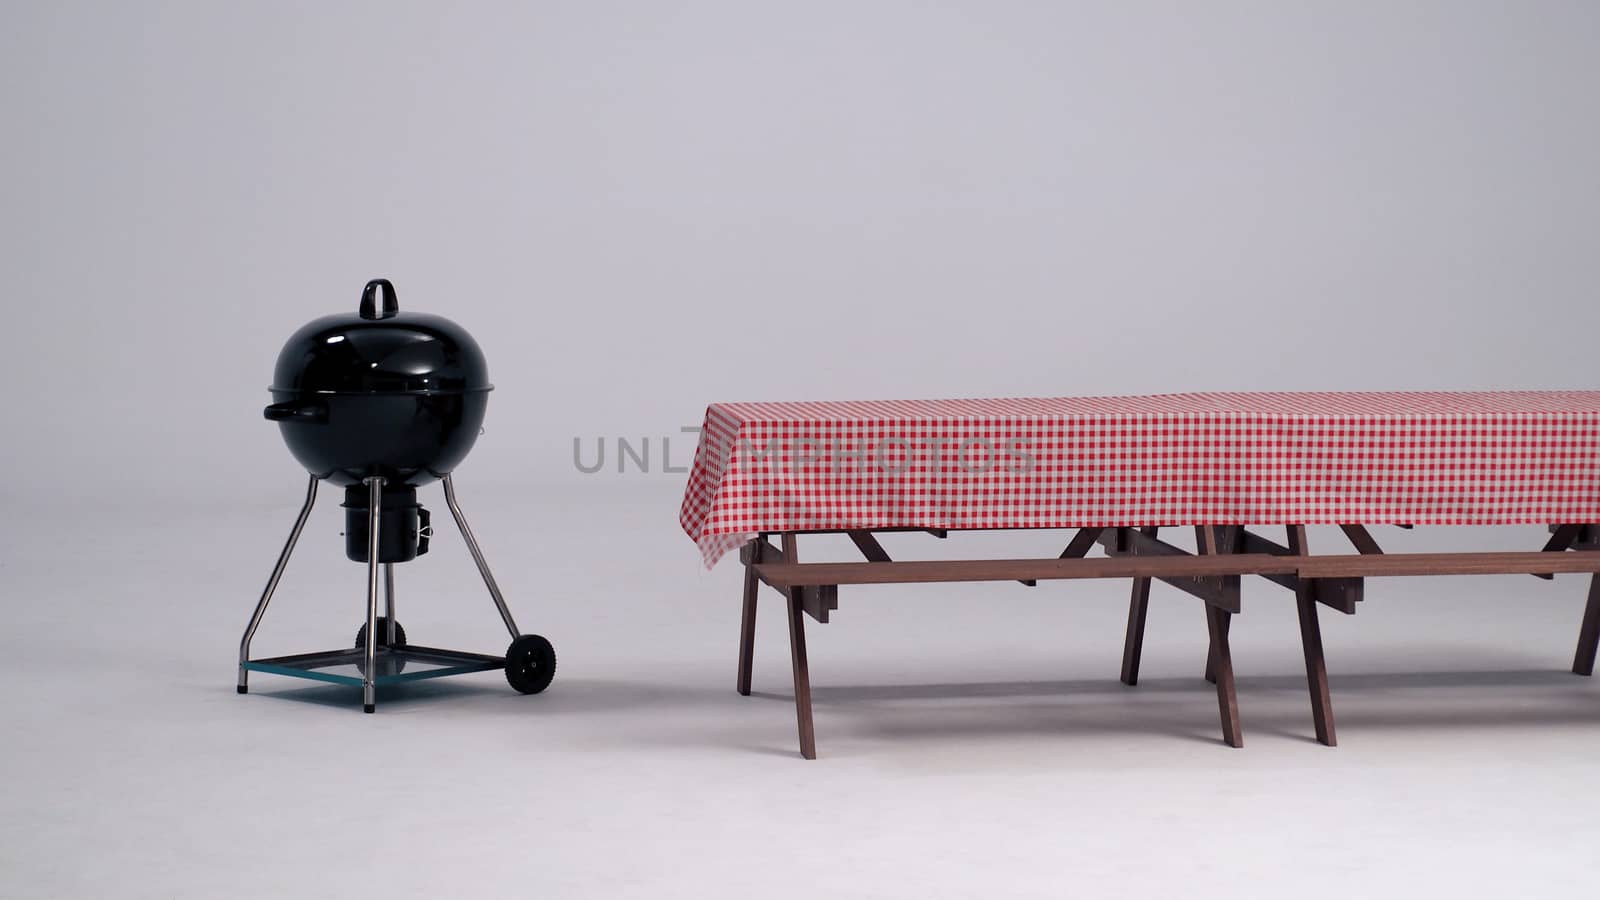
381 350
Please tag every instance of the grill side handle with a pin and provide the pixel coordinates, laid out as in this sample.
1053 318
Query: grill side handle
310 411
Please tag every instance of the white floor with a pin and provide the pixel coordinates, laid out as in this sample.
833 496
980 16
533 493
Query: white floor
974 739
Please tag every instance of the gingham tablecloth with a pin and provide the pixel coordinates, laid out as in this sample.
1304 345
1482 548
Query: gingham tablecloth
1495 458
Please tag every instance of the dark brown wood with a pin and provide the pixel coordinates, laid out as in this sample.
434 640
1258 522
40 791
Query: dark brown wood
1311 647
1250 542
1212 540
1341 594
802 681
747 618
969 570
1084 541
1227 553
791 547
869 546
1224 541
1562 538
1589 538
1211 650
1227 698
762 547
1080 544
1316 668
783 575
1397 564
1361 539
816 600
1141 543
1205 543
819 600
1588 632
797 658
1295 541
1138 608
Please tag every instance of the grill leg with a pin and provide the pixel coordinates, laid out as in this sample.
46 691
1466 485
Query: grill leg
369 692
747 619
388 601
477 557
272 584
1589 632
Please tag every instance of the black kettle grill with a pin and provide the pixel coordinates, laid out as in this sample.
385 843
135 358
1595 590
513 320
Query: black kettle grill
381 403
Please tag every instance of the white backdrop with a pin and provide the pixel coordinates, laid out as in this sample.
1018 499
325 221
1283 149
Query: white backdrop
639 208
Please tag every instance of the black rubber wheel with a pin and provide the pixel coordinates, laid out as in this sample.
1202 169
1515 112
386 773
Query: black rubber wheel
383 633
530 664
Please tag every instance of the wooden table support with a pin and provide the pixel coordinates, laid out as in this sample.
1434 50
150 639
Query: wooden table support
1138 609
1227 698
1305 599
1588 632
1219 658
747 618
1212 540
797 656
1225 554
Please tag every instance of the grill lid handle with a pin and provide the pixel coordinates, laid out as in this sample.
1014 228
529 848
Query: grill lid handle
369 305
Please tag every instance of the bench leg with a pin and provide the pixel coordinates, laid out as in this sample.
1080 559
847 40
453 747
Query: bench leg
747 619
802 679
1316 667
1138 608
1209 541
1589 632
1133 644
1227 699
797 655
1211 652
1311 646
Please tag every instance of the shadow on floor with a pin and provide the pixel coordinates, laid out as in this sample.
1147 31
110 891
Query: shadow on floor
1170 707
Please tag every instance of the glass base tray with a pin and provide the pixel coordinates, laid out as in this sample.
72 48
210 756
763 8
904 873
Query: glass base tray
394 664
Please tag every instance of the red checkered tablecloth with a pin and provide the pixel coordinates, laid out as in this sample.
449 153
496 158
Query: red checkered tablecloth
1494 458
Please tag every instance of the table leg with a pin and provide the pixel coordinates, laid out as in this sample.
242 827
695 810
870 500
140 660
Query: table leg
1589 632
1138 608
1311 646
1219 662
1316 667
1209 542
797 653
1211 652
1133 642
1227 699
747 618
